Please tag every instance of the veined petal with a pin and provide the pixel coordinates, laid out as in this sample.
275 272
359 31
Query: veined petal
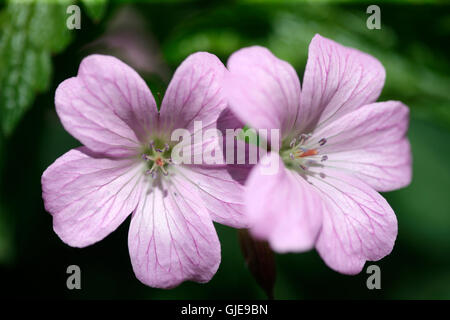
283 208
194 93
370 143
221 193
337 80
262 90
358 224
172 238
89 197
107 106
245 153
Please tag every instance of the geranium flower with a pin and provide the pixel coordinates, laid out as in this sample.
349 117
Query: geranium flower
125 167
338 148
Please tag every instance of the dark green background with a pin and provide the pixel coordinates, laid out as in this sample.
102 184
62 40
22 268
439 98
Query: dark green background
413 47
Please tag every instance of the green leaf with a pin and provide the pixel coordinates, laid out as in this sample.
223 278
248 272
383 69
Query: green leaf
95 8
30 32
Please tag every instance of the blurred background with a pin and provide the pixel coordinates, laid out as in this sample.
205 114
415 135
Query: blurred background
37 52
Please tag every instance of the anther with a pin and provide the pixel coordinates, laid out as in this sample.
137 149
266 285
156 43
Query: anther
292 144
322 141
324 158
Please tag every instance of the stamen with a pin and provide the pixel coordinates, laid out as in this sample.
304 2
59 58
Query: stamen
322 141
158 161
304 137
303 155
292 144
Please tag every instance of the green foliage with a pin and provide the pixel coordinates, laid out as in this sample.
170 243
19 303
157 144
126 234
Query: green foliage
95 8
30 33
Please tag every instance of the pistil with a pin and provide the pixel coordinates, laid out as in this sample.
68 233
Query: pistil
157 160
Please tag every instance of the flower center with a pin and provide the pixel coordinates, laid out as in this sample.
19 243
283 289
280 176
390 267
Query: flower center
301 154
158 158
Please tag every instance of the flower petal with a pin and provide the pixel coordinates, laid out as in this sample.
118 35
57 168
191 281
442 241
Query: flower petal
194 94
283 208
371 143
358 223
245 153
172 238
337 80
221 193
89 197
221 185
262 90
107 106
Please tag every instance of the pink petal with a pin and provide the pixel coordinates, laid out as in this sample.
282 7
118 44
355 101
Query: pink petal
262 90
241 163
195 93
172 238
283 208
370 143
358 223
337 80
221 193
107 106
89 197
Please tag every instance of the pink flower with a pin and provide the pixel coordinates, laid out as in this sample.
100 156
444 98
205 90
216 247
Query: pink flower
338 148
124 168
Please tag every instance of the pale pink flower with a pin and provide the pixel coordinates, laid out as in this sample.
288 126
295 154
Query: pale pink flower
124 168
338 148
